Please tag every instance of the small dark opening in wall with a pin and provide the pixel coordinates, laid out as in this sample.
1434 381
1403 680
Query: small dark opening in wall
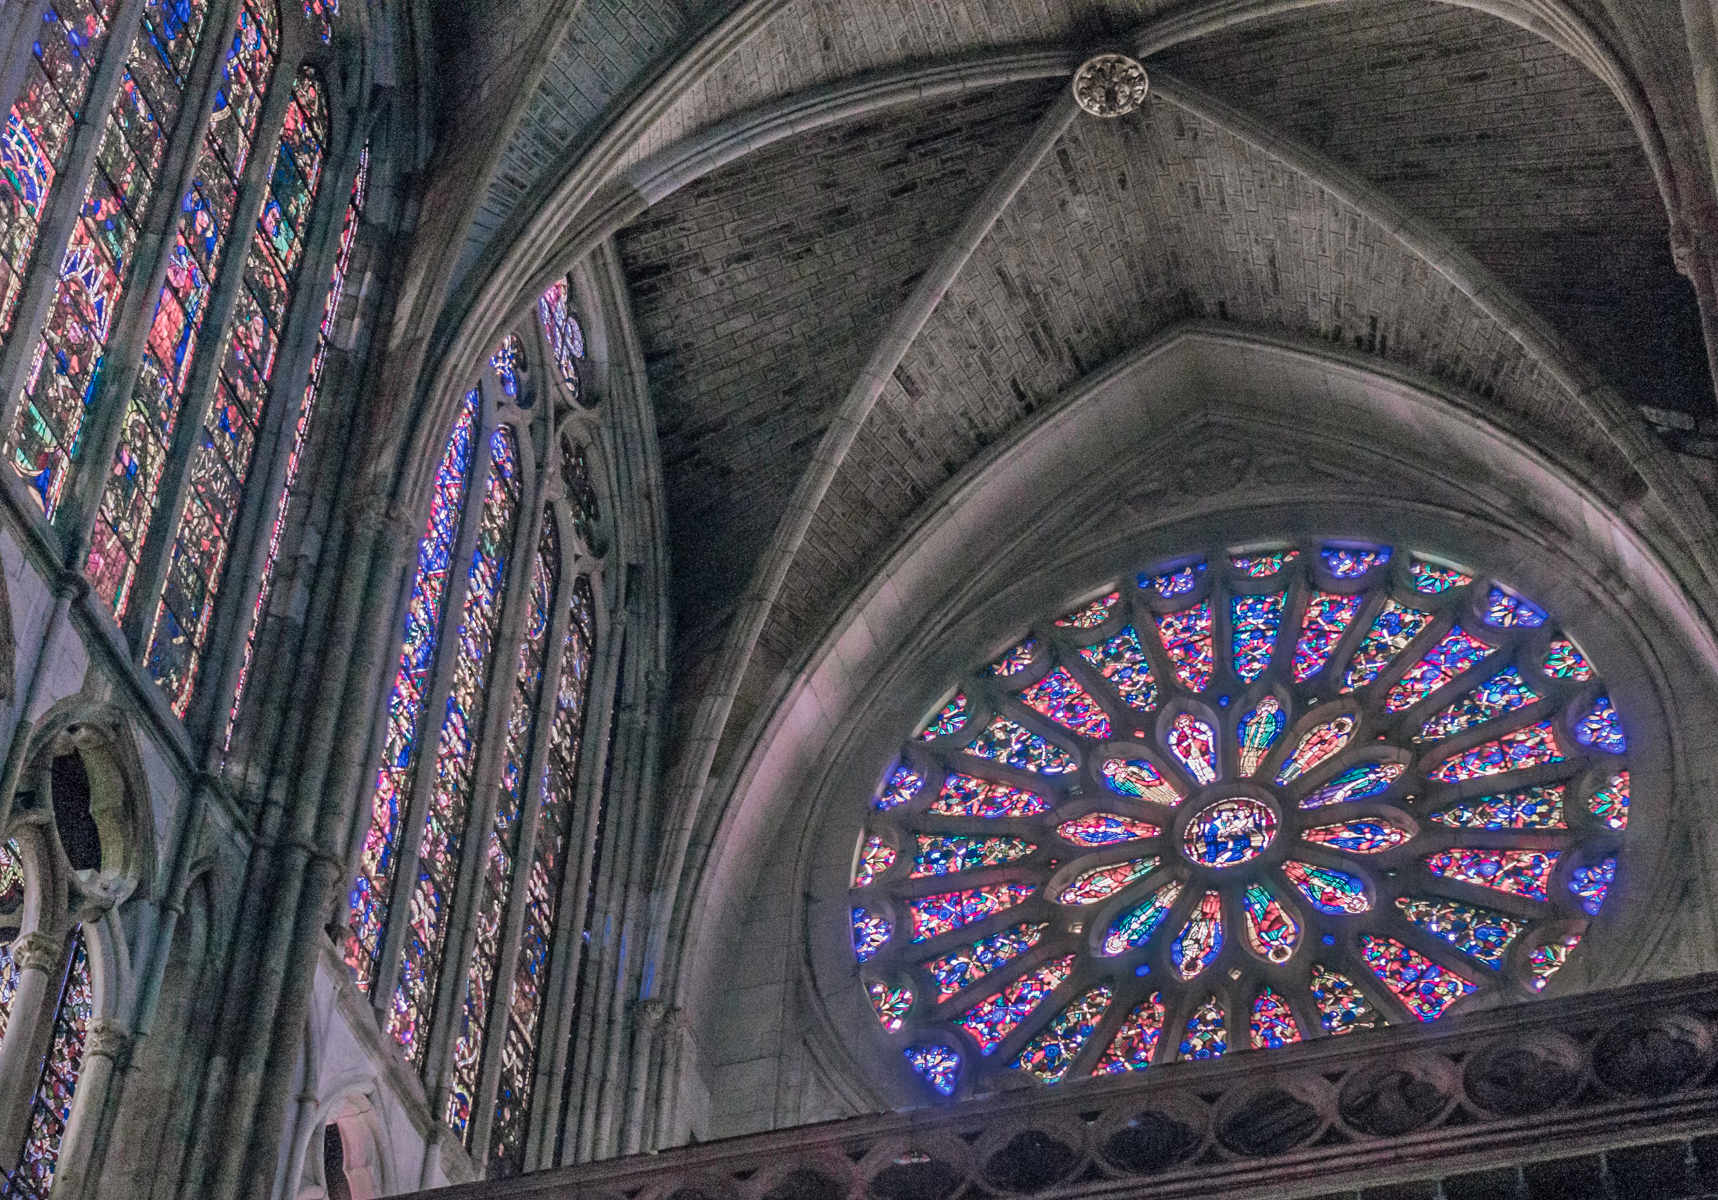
334 1163
72 816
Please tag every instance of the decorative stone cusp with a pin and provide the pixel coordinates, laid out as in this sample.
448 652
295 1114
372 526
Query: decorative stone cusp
1110 85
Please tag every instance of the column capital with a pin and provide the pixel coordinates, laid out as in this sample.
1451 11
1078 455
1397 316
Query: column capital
36 951
107 1037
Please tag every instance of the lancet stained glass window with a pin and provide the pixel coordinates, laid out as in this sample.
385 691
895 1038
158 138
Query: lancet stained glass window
51 1107
1397 835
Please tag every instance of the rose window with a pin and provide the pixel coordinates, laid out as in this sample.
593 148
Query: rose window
1238 802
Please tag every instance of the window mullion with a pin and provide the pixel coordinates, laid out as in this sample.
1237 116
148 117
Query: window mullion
200 390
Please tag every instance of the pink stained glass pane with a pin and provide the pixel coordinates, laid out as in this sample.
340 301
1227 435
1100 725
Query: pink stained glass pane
301 428
991 1021
1050 1053
891 1004
1545 961
1100 883
1317 746
1610 804
224 458
205 222
1367 835
1205 1037
1264 565
1342 1007
951 717
1136 1041
1477 931
948 911
1345 563
1013 745
51 1107
1273 1023
1091 615
501 850
1259 731
372 891
455 760
1455 653
1505 610
1564 661
1431 579
870 931
946 854
1065 702
1255 621
1272 931
1229 832
1419 983
962 968
1194 744
1326 888
1502 693
1356 783
903 784
969 796
1391 631
1200 940
1015 660
1187 642
939 1065
1518 872
1601 728
1136 926
1529 808
1326 619
1122 661
562 330
876 857
1533 746
1137 778
1104 829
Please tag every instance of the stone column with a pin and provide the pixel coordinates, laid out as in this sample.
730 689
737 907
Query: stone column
37 957
106 1043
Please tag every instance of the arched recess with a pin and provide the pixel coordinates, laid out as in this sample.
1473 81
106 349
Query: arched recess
1202 434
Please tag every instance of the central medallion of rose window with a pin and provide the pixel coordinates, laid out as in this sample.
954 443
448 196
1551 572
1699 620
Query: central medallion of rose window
1229 832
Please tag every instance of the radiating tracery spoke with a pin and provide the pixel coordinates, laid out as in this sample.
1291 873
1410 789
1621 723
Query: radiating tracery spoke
1234 803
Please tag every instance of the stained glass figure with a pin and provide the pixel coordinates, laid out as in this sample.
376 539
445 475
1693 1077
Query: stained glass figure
1272 931
1356 783
562 331
1137 926
1065 702
1430 579
1518 872
1104 829
1136 1041
946 855
1174 583
939 914
904 783
1255 620
1425 988
1477 931
1015 660
368 905
870 931
1365 836
951 718
1259 731
1205 1037
891 1004
1229 832
1122 661
1394 627
1326 619
939 1065
969 796
1589 884
1328 889
960 969
1263 566
1013 745
1601 728
508 361
1502 693
1610 803
1187 641
1565 661
1505 610
1194 744
1342 1007
991 1021
1273 1022
1456 652
1100 883
1532 746
51 1106
877 857
1050 1053
1529 808
1200 940
1092 615
1137 778
1318 745
1352 564
1545 961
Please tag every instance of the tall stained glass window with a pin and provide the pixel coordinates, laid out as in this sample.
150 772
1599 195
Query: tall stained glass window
1427 819
51 1107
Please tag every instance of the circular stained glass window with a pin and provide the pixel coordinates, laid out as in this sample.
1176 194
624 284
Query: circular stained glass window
1238 802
